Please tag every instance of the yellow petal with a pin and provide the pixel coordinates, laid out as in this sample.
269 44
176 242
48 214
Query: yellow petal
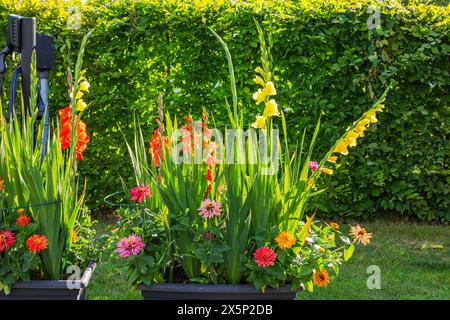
259 80
326 170
332 159
259 70
84 86
81 105
271 109
269 90
260 122
371 116
259 96
341 147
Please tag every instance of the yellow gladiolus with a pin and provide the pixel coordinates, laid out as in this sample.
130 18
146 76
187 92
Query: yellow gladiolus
259 80
81 105
84 86
351 137
269 90
79 94
259 96
371 116
326 170
341 147
260 122
259 70
332 159
271 109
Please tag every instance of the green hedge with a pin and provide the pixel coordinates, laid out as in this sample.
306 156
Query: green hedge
326 62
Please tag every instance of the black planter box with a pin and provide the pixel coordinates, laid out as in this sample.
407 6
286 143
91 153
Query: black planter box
179 291
51 289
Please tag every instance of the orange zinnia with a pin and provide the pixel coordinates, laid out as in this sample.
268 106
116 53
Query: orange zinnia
36 243
23 220
321 278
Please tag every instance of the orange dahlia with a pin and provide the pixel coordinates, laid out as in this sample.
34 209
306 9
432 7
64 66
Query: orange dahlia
360 235
37 243
321 278
23 220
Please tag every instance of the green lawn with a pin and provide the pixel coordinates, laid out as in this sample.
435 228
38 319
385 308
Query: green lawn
410 267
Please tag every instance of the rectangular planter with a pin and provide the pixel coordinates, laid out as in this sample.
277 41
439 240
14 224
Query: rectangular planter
180 291
51 289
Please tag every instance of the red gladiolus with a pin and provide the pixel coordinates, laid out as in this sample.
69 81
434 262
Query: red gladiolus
265 257
2 184
209 176
155 147
36 243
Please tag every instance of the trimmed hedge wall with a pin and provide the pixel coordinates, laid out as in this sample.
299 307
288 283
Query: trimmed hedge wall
326 62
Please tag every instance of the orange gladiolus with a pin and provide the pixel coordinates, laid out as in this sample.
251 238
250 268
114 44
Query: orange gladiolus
65 133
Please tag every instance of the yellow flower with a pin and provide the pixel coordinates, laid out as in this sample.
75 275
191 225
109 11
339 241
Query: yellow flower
371 116
321 278
271 109
351 137
84 86
259 96
326 170
285 240
332 159
260 122
269 90
20 211
334 225
259 70
259 80
379 108
360 235
81 105
79 94
341 147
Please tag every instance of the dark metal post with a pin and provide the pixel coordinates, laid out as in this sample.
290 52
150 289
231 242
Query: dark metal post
28 29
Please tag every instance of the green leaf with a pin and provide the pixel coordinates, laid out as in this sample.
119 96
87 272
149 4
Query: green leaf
348 252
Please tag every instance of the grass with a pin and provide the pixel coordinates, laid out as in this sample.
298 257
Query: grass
410 268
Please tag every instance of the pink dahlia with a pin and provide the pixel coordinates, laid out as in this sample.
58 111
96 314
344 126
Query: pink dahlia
7 239
209 208
265 257
313 165
140 193
131 245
